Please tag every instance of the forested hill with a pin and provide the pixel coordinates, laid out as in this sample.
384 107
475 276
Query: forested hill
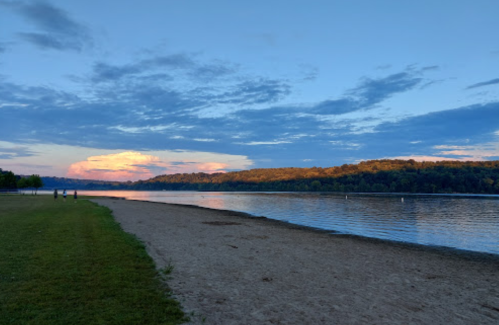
368 176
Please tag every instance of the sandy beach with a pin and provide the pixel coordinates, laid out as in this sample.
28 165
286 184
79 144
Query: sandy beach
233 269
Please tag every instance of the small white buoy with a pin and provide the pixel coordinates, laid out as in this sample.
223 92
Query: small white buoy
402 200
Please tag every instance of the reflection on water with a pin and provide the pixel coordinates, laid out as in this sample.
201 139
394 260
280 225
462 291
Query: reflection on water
470 223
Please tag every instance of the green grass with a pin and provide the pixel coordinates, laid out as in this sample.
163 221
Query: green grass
67 263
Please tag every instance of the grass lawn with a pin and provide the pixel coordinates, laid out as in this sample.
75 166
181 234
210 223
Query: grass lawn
70 263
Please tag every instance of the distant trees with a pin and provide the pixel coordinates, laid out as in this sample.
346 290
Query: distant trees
22 183
10 181
7 180
36 182
367 176
33 182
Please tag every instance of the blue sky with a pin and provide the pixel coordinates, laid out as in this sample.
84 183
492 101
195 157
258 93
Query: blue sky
128 90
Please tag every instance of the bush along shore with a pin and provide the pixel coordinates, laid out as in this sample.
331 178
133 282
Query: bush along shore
71 263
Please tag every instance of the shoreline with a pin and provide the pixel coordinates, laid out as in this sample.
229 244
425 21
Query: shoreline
443 250
233 268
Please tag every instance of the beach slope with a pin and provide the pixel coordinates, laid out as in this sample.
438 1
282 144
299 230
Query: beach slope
233 269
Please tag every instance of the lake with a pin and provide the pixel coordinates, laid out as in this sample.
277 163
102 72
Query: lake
457 221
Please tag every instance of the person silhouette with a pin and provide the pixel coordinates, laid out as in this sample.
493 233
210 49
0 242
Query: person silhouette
76 196
55 194
64 194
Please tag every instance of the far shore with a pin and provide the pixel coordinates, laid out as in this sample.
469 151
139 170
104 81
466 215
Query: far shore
233 268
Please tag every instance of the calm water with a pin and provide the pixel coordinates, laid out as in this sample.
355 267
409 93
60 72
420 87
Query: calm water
470 223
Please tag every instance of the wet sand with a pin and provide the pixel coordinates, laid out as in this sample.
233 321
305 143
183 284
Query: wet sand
230 268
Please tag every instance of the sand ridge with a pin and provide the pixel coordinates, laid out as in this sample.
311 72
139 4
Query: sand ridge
231 269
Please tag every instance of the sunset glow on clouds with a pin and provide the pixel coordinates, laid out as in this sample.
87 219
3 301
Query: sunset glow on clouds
134 166
480 152
120 167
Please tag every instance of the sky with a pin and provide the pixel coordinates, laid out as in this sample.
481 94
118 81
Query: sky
127 90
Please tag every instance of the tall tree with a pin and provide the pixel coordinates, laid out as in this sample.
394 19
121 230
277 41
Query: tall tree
9 180
36 182
22 183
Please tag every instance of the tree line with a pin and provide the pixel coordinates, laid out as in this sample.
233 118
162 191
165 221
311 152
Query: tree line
10 181
368 176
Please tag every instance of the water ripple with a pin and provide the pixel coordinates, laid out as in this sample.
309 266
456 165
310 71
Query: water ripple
470 223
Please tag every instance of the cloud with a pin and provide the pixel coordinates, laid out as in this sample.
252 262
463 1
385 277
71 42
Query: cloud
383 67
212 167
246 117
53 160
459 123
336 107
13 152
164 83
483 84
461 133
213 71
56 28
15 96
204 140
310 73
369 93
260 91
259 143
346 145
164 65
149 128
121 167
105 72
137 115
430 68
46 41
477 152
27 169
133 166
181 163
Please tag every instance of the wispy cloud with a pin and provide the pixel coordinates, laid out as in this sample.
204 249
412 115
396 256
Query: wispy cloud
369 93
485 83
260 143
259 91
55 29
166 65
477 152
15 152
441 134
9 151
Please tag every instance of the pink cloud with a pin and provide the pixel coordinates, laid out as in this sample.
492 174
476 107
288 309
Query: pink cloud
134 166
212 167
122 166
